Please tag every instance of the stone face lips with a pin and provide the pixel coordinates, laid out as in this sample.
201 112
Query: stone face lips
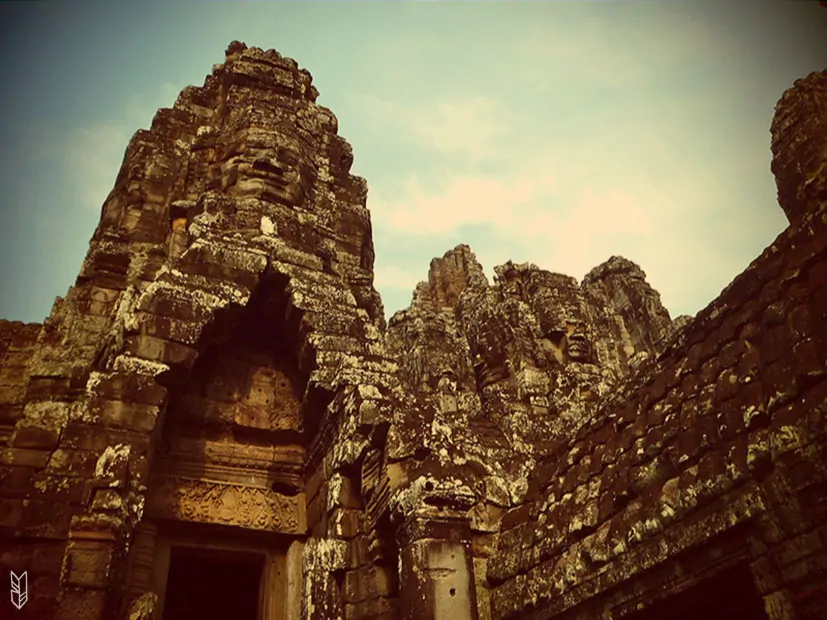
529 447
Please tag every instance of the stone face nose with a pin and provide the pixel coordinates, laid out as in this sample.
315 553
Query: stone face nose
799 147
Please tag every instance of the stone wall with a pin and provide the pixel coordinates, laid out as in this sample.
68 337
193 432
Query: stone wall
27 540
799 136
17 345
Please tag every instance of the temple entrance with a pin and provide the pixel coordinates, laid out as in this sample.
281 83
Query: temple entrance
731 594
213 583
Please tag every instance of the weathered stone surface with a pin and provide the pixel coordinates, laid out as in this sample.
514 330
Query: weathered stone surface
799 147
221 378
17 345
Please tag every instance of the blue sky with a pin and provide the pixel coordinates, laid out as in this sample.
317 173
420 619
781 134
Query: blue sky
553 132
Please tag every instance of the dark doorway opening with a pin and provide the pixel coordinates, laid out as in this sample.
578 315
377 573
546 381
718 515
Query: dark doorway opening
725 596
209 583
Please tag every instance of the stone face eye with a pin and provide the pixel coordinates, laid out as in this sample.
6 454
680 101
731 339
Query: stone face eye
556 336
288 158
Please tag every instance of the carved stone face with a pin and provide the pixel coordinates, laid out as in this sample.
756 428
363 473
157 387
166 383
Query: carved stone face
511 285
447 382
437 358
570 342
557 302
283 174
279 174
554 309
448 392
578 348
491 356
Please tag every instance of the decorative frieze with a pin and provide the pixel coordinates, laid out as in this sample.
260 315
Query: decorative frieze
222 503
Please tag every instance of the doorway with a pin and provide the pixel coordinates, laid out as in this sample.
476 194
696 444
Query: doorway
725 596
213 584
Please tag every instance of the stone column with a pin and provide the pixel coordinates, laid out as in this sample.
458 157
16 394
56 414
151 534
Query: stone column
141 577
160 572
436 577
293 576
87 565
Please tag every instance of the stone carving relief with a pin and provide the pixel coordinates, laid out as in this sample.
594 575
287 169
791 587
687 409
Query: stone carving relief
570 342
239 387
578 347
447 391
204 501
557 302
269 402
374 484
491 362
269 166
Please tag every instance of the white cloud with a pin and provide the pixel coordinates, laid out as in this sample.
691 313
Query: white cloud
92 157
568 209
597 212
526 212
469 126
392 276
587 56
92 154
465 200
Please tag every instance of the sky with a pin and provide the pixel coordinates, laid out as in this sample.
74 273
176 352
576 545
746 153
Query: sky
558 133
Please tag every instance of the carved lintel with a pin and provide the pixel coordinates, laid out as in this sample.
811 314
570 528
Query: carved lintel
207 501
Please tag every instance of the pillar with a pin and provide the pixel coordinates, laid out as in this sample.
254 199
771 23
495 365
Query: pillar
141 577
436 570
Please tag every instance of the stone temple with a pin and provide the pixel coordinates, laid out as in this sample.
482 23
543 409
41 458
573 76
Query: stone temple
216 422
